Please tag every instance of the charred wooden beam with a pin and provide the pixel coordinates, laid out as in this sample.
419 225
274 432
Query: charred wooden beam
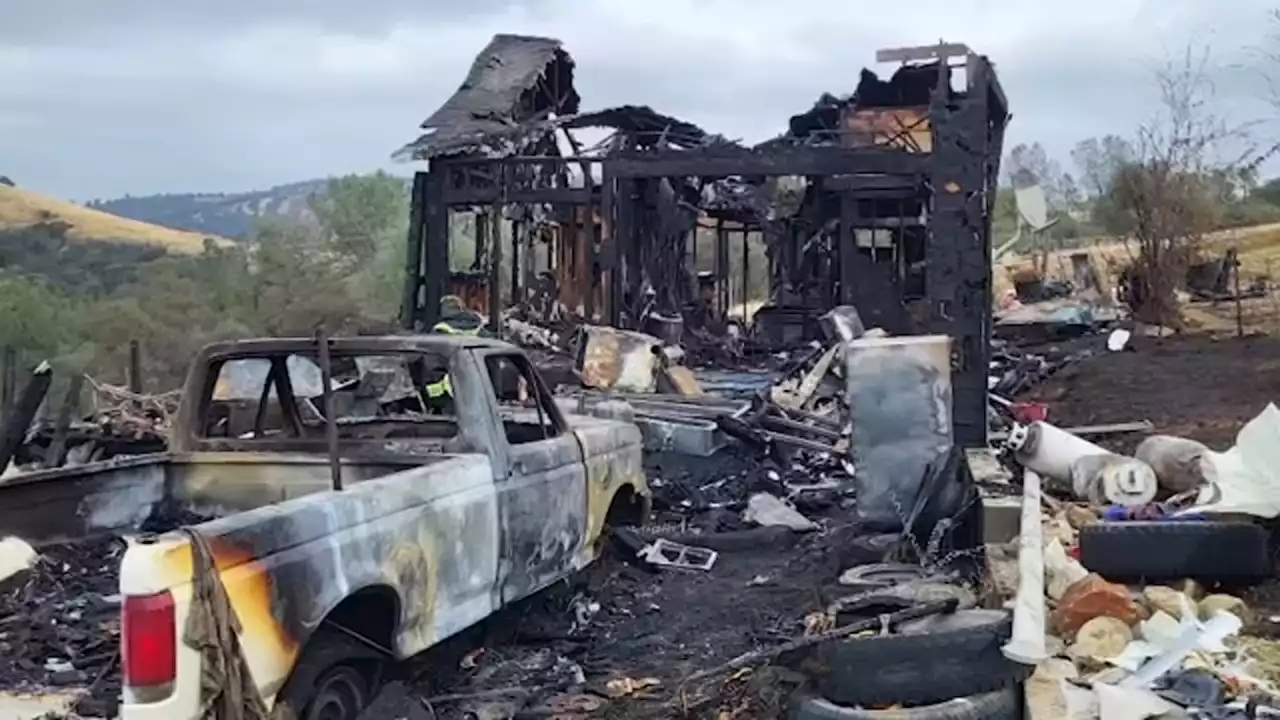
872 185
491 194
817 160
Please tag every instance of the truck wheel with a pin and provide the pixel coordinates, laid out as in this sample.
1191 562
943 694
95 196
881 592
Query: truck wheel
335 679
342 693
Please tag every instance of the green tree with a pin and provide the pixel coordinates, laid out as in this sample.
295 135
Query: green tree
360 214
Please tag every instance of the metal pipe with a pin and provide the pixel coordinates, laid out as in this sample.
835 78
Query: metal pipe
1026 645
330 422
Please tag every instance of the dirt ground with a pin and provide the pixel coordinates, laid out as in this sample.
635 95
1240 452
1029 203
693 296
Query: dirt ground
1196 386
621 624
1200 387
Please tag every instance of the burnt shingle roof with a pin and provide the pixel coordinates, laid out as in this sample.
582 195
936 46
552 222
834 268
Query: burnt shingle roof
486 112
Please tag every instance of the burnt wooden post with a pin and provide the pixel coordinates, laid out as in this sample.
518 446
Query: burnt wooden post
56 456
10 379
330 422
494 225
409 310
722 268
135 367
22 412
435 241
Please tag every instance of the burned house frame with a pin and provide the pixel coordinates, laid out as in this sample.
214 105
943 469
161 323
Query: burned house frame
894 216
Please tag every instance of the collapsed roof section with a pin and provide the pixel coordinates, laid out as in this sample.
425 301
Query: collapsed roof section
515 81
520 90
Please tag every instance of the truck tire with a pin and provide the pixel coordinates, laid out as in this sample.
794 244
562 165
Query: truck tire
1175 549
925 661
1003 704
336 678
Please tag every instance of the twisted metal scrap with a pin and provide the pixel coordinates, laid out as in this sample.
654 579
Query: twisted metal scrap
120 405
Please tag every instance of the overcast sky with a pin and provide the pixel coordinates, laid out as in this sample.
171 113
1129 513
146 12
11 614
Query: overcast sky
99 99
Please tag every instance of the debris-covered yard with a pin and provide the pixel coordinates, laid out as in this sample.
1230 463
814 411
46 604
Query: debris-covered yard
635 633
1195 386
1153 599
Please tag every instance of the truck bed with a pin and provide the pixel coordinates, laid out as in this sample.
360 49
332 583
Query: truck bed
59 622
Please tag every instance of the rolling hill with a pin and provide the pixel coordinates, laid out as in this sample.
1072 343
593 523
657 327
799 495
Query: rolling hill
231 215
23 211
80 250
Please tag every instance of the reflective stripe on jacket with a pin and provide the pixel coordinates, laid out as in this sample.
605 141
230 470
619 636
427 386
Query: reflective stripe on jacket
445 328
440 389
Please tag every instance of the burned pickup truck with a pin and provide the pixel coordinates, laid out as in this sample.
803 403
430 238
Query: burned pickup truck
422 517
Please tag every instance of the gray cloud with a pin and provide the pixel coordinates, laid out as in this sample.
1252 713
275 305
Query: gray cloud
153 97
66 22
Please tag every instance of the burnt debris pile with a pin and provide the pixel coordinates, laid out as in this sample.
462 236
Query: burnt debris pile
60 620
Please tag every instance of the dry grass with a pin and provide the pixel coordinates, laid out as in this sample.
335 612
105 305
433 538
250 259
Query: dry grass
1259 249
22 209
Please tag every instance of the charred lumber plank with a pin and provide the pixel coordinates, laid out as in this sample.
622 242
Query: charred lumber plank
825 160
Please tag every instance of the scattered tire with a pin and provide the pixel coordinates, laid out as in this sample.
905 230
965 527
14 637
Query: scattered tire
1003 704
1228 552
925 661
881 575
336 678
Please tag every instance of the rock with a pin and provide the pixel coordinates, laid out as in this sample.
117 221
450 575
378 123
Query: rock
1160 630
1002 564
1192 589
1061 570
1099 640
1059 529
1044 698
1178 462
1166 600
1079 516
1090 598
1219 601
1054 646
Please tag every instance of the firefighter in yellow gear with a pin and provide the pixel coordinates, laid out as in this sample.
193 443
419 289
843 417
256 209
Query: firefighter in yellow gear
455 319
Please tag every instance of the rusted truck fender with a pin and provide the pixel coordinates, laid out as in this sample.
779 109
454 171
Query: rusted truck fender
409 559
617 492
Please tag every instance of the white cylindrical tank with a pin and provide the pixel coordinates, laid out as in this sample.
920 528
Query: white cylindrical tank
1093 473
1050 451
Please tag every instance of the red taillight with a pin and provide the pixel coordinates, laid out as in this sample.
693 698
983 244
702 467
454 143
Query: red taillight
148 639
